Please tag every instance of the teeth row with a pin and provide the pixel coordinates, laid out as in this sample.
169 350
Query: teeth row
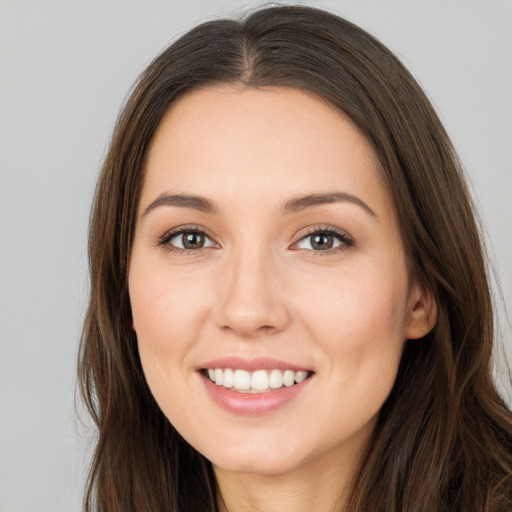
258 381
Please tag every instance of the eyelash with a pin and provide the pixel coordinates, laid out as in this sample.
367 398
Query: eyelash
346 240
164 241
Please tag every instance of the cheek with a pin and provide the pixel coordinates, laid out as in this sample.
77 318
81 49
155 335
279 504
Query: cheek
359 328
359 323
165 305
352 304
167 313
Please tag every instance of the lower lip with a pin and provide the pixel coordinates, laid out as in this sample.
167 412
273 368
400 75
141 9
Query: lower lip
253 404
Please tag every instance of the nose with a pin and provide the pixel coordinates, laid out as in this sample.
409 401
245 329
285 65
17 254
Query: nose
250 295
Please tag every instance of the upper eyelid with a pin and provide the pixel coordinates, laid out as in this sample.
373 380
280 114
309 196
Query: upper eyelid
186 228
323 229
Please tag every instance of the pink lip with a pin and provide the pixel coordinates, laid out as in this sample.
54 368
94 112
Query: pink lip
250 365
252 404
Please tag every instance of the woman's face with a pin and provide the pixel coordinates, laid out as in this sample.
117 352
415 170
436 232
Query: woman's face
267 258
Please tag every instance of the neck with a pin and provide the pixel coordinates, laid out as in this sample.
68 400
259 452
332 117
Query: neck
320 485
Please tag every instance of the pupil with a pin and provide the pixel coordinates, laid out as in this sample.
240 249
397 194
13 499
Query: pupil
193 240
322 242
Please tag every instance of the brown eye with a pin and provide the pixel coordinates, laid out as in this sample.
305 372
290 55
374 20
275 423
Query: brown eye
321 242
193 240
324 240
189 240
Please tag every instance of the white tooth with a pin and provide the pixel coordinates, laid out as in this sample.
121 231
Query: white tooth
227 378
300 376
218 376
211 374
275 380
288 378
259 380
242 380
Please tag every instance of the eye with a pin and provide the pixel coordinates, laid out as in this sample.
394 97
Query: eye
186 240
324 240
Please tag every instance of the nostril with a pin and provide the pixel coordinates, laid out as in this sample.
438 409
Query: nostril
250 311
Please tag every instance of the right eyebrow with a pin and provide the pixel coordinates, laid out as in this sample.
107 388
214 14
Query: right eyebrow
302 202
182 201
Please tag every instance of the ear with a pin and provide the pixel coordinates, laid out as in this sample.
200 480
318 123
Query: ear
422 312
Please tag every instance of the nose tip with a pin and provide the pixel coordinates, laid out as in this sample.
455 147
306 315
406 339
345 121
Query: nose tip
250 301
248 325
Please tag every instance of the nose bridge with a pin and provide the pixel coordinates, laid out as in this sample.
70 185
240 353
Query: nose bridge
249 293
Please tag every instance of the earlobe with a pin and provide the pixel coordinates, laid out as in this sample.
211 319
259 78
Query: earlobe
422 313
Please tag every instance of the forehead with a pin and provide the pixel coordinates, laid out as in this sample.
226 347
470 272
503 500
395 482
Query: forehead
262 144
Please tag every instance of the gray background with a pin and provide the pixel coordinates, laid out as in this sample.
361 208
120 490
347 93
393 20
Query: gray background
65 68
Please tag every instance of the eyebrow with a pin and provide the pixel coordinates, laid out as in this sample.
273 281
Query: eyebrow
303 202
182 201
293 205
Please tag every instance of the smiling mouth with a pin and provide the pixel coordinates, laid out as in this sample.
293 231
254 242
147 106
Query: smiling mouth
259 381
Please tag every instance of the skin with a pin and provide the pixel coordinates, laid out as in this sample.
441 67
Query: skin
260 289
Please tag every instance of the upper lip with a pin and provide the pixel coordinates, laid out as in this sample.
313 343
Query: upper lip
252 364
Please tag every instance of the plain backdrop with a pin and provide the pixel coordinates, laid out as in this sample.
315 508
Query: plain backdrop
65 68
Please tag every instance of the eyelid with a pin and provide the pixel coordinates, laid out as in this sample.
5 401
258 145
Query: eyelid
163 241
346 239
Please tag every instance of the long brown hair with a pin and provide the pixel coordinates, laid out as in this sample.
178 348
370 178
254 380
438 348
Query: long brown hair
444 437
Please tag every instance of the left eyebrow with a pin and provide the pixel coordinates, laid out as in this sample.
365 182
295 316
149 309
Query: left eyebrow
183 201
298 204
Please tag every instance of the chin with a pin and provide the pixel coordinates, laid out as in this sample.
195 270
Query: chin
260 457
262 464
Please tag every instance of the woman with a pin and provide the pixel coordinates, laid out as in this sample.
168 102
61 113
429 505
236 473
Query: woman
289 303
